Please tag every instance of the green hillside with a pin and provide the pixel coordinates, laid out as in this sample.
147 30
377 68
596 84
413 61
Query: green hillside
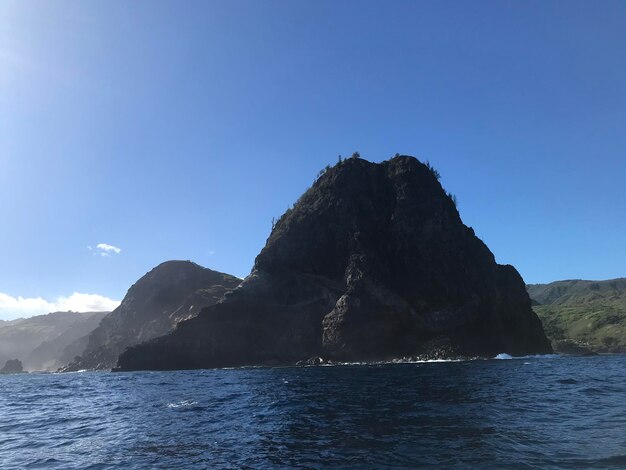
588 313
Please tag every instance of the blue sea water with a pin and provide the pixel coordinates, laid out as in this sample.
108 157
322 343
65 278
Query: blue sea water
563 412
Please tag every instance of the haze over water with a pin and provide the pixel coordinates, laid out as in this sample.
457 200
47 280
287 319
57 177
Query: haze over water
562 412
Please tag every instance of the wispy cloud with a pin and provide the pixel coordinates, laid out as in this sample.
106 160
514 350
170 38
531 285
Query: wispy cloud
105 250
19 307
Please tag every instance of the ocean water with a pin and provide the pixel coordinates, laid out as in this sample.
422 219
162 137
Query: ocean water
551 412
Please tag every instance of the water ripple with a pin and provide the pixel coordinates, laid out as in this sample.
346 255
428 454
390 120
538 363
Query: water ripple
540 412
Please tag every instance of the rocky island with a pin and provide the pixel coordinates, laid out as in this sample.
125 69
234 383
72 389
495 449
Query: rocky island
372 263
12 366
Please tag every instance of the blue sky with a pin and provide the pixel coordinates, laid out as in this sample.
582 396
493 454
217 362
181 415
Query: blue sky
178 130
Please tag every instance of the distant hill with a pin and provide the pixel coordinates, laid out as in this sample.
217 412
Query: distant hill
38 341
591 313
58 352
153 306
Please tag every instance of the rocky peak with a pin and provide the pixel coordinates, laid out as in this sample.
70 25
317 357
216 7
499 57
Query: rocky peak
372 262
12 366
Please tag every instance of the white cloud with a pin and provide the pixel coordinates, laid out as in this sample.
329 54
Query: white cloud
20 307
106 248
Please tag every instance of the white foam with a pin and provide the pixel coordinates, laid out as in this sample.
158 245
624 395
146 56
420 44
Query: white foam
392 361
182 404
531 356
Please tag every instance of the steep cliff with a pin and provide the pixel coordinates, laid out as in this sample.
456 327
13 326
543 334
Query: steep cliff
372 263
171 292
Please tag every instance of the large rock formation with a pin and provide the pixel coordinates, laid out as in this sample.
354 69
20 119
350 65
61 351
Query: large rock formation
171 292
12 366
372 263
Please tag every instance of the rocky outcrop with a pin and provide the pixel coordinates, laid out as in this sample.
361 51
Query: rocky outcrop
12 366
372 263
171 292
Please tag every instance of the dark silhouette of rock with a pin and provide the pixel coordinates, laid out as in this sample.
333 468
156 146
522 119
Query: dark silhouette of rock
171 292
372 263
12 366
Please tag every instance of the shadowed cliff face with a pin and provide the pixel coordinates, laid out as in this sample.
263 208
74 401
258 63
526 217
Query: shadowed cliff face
373 262
171 292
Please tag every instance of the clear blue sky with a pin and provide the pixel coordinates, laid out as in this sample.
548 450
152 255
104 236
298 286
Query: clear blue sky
177 130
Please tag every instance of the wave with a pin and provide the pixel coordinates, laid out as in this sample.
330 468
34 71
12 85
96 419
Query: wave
391 361
505 356
182 404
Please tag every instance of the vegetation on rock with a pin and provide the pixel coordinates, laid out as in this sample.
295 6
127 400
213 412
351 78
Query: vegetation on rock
590 314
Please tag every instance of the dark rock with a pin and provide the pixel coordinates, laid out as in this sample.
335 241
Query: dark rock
372 263
12 366
154 305
312 361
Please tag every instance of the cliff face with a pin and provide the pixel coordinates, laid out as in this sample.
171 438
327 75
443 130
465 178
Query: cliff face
373 262
171 292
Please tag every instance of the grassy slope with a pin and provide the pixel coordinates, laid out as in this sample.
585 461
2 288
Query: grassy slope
592 313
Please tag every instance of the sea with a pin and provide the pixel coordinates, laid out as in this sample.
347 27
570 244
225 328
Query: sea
533 412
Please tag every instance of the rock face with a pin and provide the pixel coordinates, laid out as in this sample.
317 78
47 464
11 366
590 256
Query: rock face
171 292
372 263
12 366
